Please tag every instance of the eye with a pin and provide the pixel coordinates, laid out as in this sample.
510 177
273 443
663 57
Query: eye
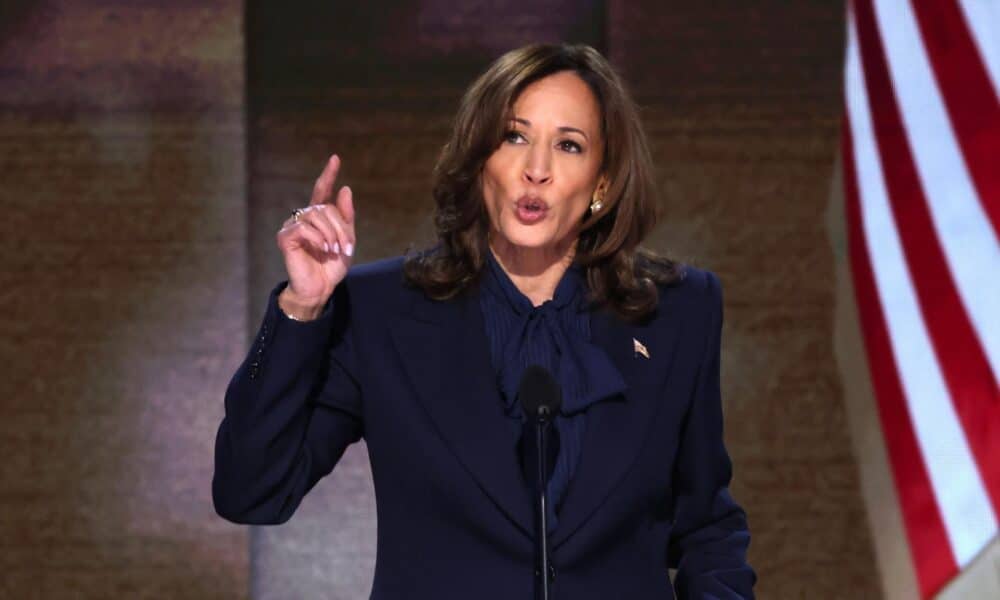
570 146
513 136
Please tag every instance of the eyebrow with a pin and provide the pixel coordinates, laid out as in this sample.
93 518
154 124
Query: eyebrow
564 128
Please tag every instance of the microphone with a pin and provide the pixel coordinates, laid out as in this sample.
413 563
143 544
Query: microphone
539 393
540 399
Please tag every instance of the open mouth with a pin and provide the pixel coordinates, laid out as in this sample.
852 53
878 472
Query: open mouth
530 209
531 204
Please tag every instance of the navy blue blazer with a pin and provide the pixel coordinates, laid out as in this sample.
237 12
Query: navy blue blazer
413 376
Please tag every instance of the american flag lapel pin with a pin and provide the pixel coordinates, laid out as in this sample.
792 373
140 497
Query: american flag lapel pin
639 348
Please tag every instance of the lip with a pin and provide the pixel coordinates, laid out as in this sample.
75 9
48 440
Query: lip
526 199
530 209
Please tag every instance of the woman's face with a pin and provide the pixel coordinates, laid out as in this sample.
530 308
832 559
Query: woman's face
538 184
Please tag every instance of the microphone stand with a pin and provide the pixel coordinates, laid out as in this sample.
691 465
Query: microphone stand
541 422
541 400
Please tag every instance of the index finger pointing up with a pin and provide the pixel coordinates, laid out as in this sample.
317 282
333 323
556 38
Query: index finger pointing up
323 189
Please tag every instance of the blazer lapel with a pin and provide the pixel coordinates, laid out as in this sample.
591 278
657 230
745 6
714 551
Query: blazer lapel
615 428
445 353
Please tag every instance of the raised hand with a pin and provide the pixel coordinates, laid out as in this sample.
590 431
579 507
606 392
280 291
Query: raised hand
317 243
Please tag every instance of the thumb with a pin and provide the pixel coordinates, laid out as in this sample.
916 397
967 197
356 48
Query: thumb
345 204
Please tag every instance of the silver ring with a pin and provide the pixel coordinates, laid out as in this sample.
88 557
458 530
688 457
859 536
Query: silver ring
296 213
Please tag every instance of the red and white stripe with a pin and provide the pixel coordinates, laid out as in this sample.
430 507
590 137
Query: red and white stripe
921 147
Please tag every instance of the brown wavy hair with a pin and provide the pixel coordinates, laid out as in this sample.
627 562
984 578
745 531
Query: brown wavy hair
619 273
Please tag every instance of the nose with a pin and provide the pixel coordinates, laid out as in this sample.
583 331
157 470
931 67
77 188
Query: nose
537 170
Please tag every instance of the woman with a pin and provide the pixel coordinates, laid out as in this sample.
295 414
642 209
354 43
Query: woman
543 194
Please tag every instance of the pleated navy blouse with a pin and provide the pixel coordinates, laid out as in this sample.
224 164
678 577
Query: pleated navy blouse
554 335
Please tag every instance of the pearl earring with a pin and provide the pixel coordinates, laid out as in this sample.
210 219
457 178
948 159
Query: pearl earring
596 203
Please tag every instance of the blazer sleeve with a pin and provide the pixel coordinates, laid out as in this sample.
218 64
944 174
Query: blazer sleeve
291 409
710 536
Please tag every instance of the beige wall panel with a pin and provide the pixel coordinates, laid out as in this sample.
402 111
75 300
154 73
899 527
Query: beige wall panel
980 579
885 519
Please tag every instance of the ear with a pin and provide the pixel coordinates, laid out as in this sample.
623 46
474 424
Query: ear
602 184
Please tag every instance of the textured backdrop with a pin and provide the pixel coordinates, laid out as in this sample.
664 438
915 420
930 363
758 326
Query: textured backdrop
138 247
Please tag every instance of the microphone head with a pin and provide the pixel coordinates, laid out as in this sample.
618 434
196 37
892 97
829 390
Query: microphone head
539 393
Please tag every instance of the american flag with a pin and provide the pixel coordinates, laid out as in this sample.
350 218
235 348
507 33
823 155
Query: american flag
921 172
